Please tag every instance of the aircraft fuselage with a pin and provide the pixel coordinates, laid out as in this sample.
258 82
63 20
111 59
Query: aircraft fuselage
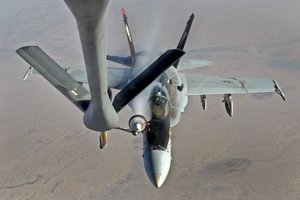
161 103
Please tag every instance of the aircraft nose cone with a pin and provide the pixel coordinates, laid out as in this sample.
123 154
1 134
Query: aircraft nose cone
157 165
159 180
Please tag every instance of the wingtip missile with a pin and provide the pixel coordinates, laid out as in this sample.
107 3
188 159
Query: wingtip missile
278 90
28 73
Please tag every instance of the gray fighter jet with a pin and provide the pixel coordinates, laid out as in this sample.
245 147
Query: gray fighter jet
157 92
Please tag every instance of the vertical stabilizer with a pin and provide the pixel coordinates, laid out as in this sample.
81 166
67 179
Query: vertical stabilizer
185 35
129 38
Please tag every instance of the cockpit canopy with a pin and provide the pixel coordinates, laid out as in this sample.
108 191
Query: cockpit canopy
159 129
159 104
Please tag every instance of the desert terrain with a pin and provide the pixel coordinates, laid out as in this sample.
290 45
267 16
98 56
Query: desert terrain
47 153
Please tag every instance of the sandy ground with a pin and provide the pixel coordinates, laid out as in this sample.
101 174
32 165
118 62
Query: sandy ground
47 153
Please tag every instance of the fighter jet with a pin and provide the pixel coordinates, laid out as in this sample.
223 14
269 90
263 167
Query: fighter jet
157 92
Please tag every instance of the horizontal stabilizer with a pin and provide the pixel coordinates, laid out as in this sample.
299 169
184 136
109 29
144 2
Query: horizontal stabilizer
146 78
56 75
127 60
120 60
118 77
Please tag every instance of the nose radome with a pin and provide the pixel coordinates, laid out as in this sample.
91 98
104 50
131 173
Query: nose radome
157 165
159 180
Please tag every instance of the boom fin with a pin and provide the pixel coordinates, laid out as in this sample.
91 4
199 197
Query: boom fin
56 75
146 78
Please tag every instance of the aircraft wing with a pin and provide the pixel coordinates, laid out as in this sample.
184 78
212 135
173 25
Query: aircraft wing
56 75
206 85
116 77
186 64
